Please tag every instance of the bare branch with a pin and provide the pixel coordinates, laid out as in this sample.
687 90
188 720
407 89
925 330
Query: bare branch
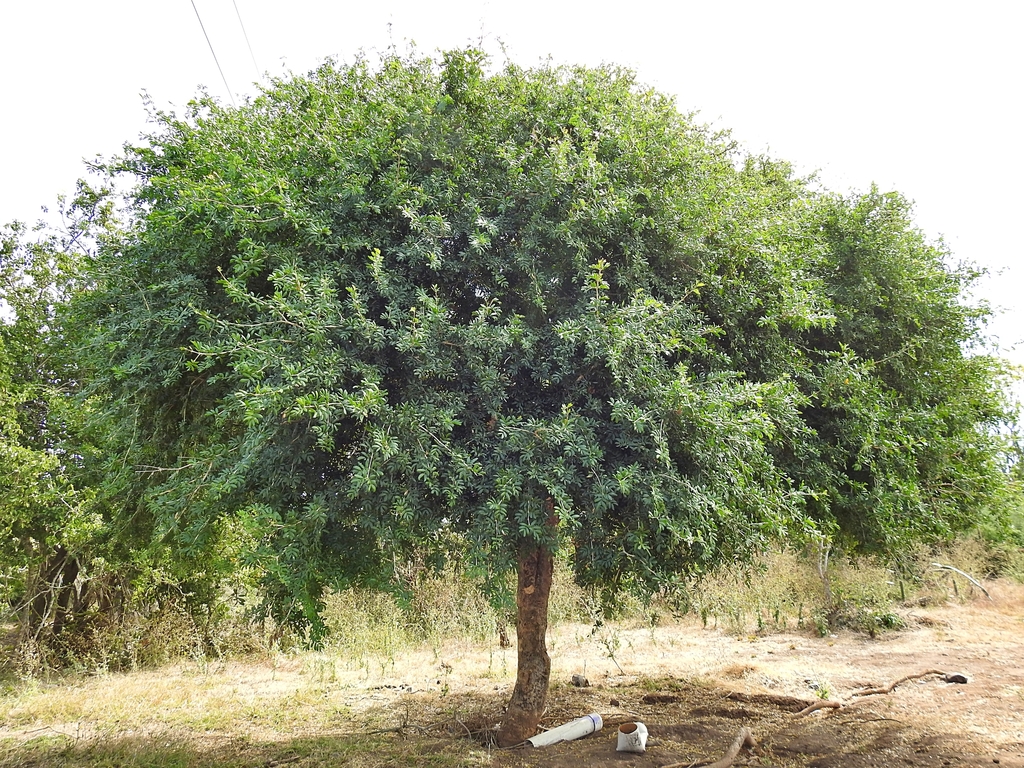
939 566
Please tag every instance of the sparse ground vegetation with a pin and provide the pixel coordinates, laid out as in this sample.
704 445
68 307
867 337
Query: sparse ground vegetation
421 681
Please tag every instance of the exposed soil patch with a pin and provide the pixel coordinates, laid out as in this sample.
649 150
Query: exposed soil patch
700 725
926 722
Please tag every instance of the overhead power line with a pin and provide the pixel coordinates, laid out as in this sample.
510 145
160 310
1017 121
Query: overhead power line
246 36
213 53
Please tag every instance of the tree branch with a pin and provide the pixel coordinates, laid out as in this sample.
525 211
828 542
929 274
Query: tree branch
941 567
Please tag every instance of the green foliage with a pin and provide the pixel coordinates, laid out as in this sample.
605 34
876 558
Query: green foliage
381 309
46 509
906 417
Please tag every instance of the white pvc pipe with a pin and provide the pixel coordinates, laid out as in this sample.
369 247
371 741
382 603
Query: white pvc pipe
575 729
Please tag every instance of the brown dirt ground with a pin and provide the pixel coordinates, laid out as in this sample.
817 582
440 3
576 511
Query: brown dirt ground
927 722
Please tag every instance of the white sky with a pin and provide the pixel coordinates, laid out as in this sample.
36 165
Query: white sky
922 97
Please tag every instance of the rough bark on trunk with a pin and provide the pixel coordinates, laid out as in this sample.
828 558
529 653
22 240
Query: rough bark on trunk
536 566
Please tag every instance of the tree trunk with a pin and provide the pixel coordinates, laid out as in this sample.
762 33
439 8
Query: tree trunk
536 566
65 592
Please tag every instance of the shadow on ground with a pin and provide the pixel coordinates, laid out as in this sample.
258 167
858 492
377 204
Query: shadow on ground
688 723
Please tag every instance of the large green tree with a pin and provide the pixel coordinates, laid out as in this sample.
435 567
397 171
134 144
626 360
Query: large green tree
539 310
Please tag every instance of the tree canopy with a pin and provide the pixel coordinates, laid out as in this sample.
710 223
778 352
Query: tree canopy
386 307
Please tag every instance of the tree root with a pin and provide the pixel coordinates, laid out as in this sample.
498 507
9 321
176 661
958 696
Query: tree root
823 704
744 739
869 692
420 729
788 703
889 688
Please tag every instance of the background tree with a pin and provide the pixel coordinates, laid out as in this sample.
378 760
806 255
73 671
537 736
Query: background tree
909 418
379 308
48 522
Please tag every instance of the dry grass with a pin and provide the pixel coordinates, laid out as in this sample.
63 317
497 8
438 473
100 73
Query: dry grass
326 709
435 660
